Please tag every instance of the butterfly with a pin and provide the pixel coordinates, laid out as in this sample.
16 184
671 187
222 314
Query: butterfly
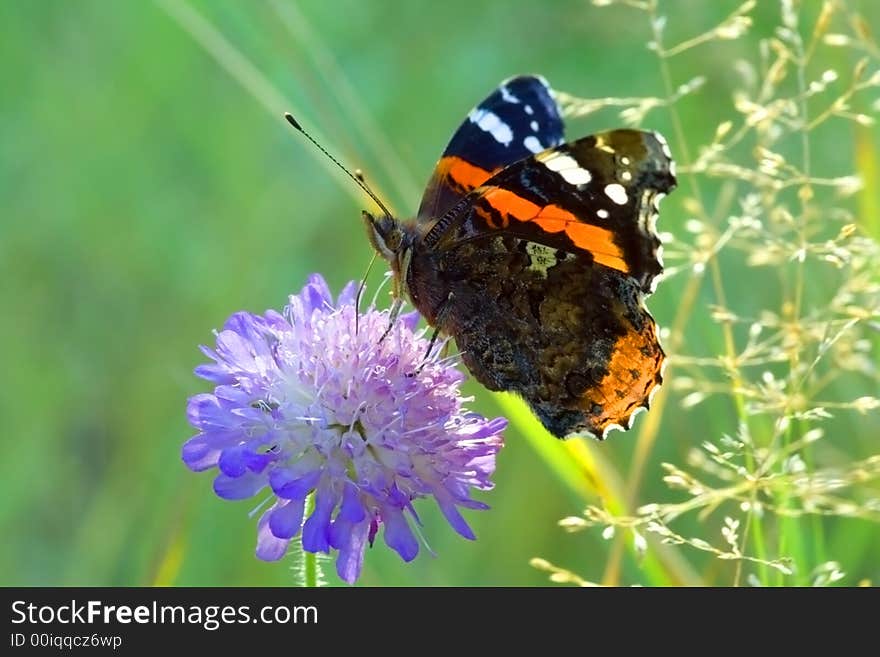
536 255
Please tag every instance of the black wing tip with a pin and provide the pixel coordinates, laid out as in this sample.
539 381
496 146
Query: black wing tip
531 77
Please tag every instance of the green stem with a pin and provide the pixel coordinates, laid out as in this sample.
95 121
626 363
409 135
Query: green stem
727 331
310 559
760 546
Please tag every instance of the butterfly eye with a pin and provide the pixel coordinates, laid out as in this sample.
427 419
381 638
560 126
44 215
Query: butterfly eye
385 234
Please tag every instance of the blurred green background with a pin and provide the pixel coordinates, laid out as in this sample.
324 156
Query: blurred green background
147 194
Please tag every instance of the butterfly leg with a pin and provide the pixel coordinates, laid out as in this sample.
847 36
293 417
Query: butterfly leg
397 290
441 315
396 306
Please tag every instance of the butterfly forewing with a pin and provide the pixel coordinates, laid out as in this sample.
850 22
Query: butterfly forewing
517 120
598 195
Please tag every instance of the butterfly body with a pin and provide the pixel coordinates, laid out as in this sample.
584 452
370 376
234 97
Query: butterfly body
535 255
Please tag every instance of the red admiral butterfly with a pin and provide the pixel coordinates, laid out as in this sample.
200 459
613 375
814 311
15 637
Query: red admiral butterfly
536 255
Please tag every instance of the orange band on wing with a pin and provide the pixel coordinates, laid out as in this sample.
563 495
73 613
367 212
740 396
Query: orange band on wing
461 172
554 219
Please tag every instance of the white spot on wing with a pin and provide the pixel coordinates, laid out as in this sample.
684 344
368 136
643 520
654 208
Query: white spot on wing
626 176
567 167
664 145
507 96
602 145
531 142
534 126
489 122
529 110
602 213
616 193
576 176
559 162
624 160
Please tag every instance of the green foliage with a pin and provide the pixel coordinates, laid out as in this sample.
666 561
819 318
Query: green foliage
150 188
795 359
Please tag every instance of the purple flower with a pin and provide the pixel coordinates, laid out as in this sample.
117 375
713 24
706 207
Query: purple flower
305 403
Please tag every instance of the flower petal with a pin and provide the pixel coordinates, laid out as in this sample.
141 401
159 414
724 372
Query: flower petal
286 519
348 295
398 536
316 529
199 454
351 509
257 461
410 320
480 428
351 555
204 412
238 488
232 461
293 488
450 511
269 546
316 294
214 372
276 321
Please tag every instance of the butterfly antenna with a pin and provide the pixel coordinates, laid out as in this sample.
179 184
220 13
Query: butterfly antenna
358 179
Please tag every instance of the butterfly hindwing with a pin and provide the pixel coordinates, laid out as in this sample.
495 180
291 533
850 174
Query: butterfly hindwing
517 120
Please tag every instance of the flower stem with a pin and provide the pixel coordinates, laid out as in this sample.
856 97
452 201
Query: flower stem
310 559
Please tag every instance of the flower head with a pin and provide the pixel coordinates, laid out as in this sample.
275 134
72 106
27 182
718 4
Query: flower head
313 401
